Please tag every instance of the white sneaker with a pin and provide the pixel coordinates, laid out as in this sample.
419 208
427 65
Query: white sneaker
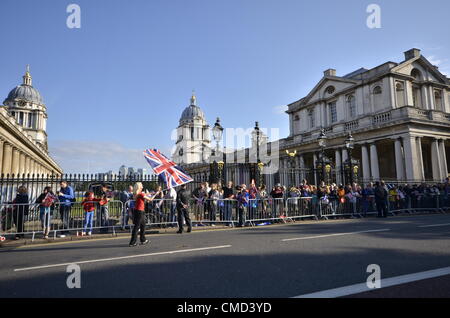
90 233
61 235
83 233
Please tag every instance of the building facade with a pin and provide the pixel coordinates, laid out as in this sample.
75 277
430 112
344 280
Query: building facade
397 113
23 136
193 143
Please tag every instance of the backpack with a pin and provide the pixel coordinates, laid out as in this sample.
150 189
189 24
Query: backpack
48 200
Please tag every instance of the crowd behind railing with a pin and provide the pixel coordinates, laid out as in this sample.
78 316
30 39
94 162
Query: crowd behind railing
61 213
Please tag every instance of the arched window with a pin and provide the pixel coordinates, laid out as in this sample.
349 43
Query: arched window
416 74
296 117
438 99
377 90
377 101
351 106
400 94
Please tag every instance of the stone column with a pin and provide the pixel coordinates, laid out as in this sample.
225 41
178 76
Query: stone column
436 160
444 159
411 151
15 162
301 162
7 158
399 161
344 155
1 155
374 167
27 165
420 158
365 163
32 166
337 154
21 163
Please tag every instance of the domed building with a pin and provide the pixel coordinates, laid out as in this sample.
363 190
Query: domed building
26 105
23 136
193 136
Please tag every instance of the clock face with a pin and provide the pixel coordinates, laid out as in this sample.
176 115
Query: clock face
22 103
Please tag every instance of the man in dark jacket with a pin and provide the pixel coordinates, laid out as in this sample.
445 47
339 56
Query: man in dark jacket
381 196
182 209
20 210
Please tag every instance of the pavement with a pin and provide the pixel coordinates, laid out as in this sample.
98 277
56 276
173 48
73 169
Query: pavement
278 261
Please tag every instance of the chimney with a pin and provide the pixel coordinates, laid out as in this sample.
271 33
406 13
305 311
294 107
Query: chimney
330 72
413 53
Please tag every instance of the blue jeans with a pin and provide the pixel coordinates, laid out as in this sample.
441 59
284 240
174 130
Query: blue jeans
227 210
45 216
88 221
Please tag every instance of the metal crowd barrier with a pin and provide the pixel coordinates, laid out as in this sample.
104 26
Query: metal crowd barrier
20 219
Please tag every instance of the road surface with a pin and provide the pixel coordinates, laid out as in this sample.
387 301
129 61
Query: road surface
289 260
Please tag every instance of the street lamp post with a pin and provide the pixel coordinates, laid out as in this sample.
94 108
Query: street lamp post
323 161
352 165
258 167
292 163
218 167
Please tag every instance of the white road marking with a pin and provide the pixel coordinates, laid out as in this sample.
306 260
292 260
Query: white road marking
393 281
434 225
336 234
122 257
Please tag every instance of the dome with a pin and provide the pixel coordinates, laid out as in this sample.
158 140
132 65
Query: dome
192 111
26 92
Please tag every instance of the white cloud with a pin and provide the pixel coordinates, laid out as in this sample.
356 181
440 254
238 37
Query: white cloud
280 110
96 157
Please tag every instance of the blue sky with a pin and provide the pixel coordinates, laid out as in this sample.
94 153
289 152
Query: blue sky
119 84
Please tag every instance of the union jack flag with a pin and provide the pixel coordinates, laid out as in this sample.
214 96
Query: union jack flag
167 170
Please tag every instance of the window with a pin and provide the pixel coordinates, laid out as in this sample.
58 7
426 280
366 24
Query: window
192 132
377 90
417 96
296 117
30 120
377 101
400 94
351 106
21 117
333 112
438 100
416 74
311 118
330 90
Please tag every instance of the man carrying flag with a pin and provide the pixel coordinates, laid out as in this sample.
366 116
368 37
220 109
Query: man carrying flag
173 176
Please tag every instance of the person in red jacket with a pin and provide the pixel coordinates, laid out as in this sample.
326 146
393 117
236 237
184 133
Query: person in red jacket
88 204
138 213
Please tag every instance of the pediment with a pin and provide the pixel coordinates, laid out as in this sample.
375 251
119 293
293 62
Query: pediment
322 89
428 71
